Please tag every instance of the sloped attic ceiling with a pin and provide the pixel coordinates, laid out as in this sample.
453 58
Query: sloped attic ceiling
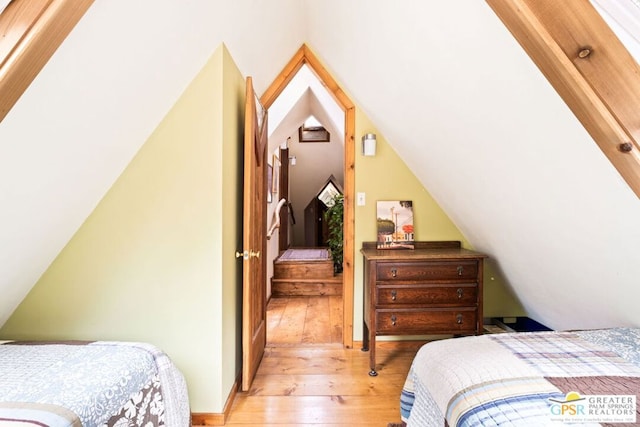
305 83
445 82
487 135
306 105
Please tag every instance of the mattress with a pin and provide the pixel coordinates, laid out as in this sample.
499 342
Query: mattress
526 379
62 384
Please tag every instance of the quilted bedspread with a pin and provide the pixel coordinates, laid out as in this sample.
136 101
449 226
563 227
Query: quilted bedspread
514 379
90 384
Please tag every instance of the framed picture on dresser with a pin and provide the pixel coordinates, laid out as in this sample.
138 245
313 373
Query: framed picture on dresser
394 224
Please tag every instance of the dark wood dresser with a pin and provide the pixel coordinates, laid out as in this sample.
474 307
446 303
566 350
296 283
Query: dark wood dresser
433 289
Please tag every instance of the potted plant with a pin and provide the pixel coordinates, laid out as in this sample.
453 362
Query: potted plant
334 217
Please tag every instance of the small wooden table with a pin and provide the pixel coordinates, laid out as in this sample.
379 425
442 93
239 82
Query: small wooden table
435 288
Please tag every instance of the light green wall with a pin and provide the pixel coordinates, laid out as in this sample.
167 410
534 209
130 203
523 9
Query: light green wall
386 177
154 261
234 85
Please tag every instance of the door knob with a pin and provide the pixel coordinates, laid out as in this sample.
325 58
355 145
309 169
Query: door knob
247 254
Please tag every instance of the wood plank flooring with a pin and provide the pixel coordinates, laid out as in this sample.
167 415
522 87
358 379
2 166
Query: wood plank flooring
307 378
304 320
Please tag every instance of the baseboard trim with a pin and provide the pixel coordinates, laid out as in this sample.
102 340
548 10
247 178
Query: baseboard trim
207 419
214 419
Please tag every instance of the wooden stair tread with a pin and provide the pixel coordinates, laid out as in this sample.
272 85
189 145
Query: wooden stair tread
309 261
332 279
308 287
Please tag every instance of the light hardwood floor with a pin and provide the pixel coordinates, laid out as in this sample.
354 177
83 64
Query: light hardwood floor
307 378
304 320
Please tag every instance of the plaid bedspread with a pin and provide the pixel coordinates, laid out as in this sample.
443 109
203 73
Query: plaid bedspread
513 379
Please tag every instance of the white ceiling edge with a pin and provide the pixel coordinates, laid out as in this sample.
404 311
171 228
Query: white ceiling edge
3 4
289 124
326 117
623 17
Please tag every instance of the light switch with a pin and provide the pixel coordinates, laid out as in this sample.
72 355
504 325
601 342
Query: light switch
360 199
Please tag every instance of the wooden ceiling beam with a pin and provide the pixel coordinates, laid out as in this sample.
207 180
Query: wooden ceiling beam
30 32
589 68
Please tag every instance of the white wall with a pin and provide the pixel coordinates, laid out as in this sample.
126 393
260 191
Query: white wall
469 112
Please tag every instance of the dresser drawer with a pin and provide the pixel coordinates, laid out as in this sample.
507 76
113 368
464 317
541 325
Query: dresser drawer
427 270
459 294
425 321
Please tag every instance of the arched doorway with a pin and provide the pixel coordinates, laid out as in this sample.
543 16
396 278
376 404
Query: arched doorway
305 56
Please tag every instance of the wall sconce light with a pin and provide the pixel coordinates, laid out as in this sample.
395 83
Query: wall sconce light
369 144
292 160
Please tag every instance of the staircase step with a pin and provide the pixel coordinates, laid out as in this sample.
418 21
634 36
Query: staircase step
303 270
306 287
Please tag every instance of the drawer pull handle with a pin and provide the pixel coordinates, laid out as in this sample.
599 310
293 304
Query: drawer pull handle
460 269
460 293
394 272
394 295
459 319
393 320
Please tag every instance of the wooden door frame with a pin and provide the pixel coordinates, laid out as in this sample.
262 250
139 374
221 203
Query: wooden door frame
305 56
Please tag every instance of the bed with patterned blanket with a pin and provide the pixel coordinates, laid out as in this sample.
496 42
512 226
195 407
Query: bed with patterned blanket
526 379
63 384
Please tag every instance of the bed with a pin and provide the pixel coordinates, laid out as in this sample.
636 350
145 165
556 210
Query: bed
62 384
526 379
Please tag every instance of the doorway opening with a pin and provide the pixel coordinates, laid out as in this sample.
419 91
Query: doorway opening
310 149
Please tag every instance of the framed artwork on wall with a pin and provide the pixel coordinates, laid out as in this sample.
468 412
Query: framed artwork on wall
313 134
269 182
276 174
395 224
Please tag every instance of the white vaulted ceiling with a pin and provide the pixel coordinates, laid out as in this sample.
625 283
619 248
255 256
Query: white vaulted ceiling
305 83
445 82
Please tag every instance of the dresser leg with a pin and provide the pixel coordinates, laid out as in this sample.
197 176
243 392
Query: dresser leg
365 337
372 356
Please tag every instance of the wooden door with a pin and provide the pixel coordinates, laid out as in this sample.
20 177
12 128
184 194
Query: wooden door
283 192
254 271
